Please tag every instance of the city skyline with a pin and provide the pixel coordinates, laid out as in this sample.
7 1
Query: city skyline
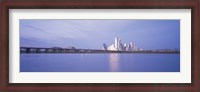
91 34
118 45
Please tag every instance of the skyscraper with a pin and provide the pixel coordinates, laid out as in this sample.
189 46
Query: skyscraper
131 46
125 47
116 43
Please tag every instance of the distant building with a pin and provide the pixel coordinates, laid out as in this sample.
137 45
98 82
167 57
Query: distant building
121 47
105 46
116 43
128 47
112 47
124 47
56 48
70 47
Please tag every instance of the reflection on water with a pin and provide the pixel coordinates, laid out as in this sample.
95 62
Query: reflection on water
114 62
99 62
82 57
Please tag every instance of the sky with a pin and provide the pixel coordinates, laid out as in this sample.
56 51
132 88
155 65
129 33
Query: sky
91 34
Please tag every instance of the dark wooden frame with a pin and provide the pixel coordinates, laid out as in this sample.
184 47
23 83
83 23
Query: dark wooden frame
103 4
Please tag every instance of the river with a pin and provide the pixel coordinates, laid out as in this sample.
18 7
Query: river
99 62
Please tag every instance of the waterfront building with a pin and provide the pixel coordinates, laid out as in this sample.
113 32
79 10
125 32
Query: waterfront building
119 44
116 43
124 47
112 47
105 46
120 47
129 47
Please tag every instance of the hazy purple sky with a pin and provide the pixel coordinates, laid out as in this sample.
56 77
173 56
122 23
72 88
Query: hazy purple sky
147 34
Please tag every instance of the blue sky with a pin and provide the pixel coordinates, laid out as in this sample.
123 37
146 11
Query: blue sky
146 34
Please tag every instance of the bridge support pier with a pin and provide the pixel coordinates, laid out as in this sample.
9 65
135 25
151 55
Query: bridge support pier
37 51
28 50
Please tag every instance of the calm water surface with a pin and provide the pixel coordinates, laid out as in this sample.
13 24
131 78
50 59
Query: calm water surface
99 62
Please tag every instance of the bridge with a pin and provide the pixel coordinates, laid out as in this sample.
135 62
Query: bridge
37 50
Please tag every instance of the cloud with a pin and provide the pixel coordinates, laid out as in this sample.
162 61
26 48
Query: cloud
92 33
35 28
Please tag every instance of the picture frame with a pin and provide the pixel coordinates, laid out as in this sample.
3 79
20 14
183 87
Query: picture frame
119 4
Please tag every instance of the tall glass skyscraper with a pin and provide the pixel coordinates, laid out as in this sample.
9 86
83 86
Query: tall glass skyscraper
116 42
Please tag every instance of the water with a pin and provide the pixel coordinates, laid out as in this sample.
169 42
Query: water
99 62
